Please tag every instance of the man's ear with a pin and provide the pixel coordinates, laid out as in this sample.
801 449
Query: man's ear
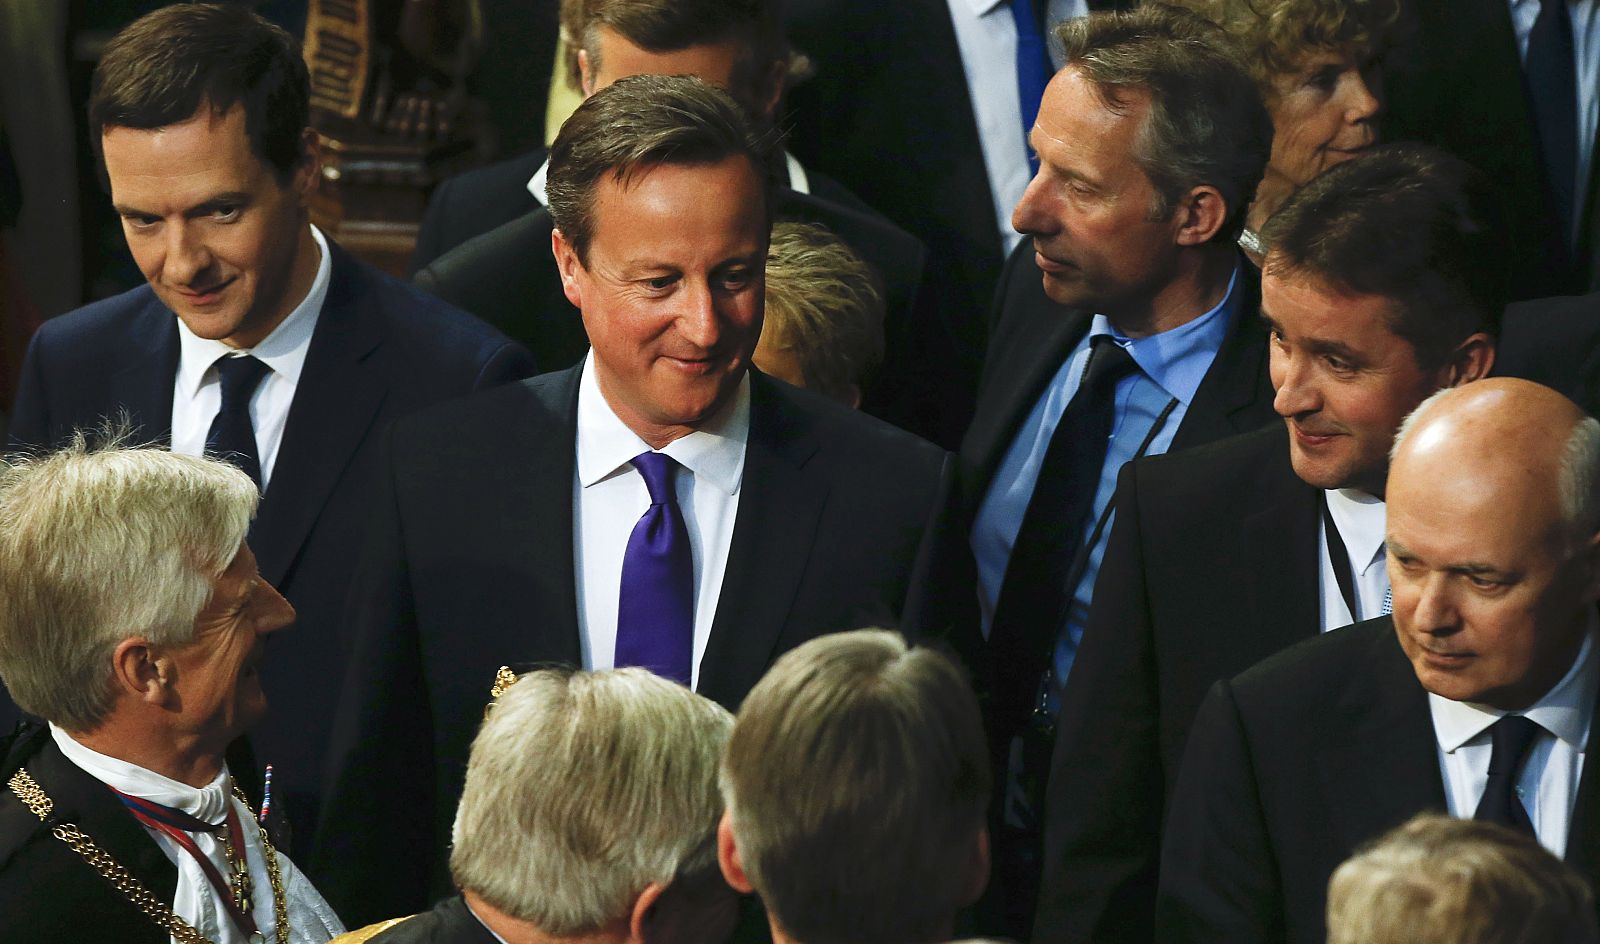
585 73
639 917
309 172
772 87
567 264
1199 215
728 857
138 672
1471 360
977 868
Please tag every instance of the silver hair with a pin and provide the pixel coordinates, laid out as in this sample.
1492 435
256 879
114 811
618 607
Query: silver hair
582 789
1579 480
100 543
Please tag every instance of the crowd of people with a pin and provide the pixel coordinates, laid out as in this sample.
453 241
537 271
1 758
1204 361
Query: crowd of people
536 600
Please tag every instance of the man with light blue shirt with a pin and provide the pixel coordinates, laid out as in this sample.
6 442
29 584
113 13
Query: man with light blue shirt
1126 325
1476 697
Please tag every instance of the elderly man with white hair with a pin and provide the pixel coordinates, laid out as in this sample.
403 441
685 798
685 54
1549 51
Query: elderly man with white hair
131 620
589 814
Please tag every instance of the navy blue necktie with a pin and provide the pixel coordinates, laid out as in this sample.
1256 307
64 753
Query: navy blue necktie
1033 68
1552 86
1511 736
231 436
655 612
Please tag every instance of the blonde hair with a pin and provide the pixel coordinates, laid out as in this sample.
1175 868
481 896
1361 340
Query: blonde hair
823 304
99 544
582 789
1438 880
1276 36
856 781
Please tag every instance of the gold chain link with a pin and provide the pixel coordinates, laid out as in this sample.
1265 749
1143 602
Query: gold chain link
39 803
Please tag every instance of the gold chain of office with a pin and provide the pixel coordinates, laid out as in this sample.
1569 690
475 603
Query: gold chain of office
39 802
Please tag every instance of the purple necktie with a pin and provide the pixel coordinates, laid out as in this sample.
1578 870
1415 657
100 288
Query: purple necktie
655 612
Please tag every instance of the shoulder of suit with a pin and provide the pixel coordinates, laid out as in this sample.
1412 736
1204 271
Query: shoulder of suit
1216 465
436 328
837 426
496 180
1305 678
103 322
491 411
499 255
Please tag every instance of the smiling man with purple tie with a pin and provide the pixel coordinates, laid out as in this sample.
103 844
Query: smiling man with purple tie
659 504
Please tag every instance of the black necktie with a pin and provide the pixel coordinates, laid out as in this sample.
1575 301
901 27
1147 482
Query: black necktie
1512 736
1552 87
231 436
1034 596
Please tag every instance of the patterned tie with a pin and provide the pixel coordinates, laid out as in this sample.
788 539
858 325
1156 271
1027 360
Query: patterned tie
1551 82
1034 594
1511 736
655 612
1033 68
231 437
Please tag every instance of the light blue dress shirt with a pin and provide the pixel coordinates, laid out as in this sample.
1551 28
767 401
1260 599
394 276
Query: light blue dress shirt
1171 366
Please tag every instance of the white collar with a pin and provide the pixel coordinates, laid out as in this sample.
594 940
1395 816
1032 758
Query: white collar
1360 519
714 452
536 183
208 803
283 351
1565 711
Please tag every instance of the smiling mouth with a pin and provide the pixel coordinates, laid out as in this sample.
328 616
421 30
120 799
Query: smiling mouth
1313 437
205 296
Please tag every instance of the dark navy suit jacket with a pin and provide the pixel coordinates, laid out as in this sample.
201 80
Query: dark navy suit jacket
381 349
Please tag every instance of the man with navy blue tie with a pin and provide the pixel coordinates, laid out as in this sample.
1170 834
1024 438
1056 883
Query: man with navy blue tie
1125 325
658 504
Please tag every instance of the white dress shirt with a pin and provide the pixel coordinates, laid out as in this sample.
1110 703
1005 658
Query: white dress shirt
1585 16
196 901
987 38
1360 519
609 498
197 392
1554 764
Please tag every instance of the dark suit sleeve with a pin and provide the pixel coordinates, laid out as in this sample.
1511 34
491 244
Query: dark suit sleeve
942 605
30 415
1219 881
1105 794
510 362
375 846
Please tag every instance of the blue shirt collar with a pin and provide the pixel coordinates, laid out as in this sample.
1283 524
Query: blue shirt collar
1177 359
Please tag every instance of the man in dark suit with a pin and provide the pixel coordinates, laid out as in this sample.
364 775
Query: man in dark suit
1476 698
1556 341
919 98
1485 79
1136 264
484 243
1383 284
211 169
571 828
509 525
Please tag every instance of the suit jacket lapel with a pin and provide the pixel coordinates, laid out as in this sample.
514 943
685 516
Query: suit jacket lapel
1236 394
335 405
773 533
1282 540
1379 761
144 384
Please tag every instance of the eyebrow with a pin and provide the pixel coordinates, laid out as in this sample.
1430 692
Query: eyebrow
1469 568
209 204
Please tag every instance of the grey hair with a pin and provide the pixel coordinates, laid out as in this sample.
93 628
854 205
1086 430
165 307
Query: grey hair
1439 880
1579 477
101 543
582 789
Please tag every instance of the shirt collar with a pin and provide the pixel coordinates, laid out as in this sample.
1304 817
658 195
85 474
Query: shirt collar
208 803
1177 359
283 351
1361 521
536 183
1565 711
606 446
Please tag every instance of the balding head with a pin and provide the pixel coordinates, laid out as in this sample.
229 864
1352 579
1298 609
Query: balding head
1491 539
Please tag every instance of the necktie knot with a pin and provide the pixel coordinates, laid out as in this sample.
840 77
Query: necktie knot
1511 737
239 377
1109 362
657 469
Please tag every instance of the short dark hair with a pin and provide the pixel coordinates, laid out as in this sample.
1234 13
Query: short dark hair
644 121
167 65
671 25
1410 223
1206 125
